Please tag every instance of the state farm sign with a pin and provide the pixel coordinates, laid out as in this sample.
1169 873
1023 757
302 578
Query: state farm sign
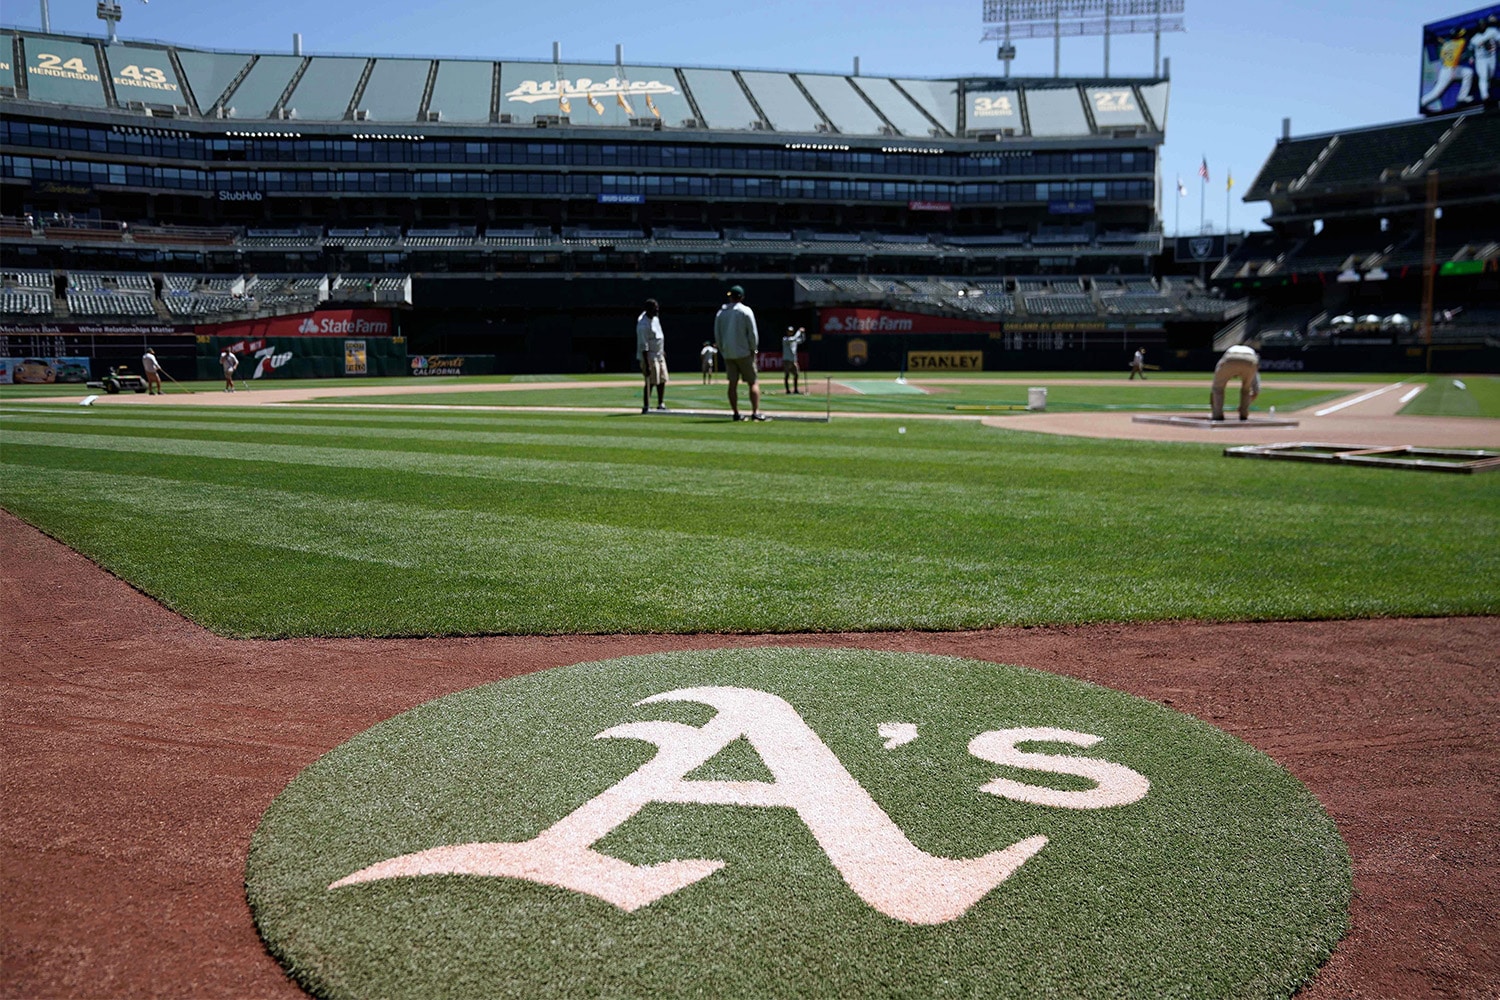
323 323
877 321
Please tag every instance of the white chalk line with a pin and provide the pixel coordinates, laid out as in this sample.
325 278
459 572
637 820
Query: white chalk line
1356 400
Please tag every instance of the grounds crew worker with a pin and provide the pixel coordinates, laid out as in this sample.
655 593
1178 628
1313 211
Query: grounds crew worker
790 370
1239 362
229 363
651 348
708 354
737 339
152 368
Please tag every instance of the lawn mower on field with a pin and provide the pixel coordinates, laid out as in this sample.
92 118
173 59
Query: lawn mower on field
118 380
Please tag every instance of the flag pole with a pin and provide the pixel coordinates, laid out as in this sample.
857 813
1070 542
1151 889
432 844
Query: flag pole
1228 187
1202 203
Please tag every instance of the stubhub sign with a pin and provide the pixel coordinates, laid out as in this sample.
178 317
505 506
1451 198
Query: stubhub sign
323 323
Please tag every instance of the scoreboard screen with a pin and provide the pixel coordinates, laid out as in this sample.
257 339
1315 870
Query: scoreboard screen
1458 62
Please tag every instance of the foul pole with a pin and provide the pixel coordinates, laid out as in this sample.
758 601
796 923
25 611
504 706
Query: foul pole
1429 264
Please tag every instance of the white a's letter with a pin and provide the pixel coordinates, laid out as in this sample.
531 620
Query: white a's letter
877 861
1116 784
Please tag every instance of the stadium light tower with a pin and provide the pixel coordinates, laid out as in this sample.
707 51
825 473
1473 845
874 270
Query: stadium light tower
1013 19
110 13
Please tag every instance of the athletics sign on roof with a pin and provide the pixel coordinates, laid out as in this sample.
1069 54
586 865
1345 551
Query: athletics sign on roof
592 95
795 822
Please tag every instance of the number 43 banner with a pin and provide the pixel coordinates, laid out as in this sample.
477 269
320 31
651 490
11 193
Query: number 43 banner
134 69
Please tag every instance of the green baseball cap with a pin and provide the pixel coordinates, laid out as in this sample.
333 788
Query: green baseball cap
736 290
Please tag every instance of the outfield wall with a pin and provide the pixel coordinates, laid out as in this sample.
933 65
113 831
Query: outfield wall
272 357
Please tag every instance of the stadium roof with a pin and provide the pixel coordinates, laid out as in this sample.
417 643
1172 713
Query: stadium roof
157 78
1379 157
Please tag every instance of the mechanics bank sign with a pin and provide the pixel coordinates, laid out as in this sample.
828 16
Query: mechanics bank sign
876 321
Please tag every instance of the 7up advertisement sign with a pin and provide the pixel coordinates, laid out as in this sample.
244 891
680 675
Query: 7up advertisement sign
796 822
327 343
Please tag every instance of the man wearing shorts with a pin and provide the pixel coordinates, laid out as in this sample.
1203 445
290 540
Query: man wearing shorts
229 363
738 340
152 368
1239 362
651 347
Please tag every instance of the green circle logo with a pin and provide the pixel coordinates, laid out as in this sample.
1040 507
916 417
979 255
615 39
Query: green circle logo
794 822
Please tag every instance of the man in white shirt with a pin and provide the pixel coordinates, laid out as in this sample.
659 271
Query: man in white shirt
1239 362
708 354
738 340
791 372
1485 45
651 348
152 369
229 363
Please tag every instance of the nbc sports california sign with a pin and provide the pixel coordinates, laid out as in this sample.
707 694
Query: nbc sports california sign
796 822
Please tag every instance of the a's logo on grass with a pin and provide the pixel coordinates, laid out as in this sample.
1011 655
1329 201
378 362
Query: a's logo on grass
872 854
785 822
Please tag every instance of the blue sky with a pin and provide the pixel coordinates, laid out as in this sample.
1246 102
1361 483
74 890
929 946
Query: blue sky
1236 72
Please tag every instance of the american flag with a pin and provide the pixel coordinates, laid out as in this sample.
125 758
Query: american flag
1203 170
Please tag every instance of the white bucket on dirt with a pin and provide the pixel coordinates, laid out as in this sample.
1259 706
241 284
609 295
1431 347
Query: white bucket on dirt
1036 397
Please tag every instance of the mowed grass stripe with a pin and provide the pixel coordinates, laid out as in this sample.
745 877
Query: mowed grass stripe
953 525
781 460
942 487
662 439
652 473
339 552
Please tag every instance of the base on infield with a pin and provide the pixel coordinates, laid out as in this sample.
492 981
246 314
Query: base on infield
1194 420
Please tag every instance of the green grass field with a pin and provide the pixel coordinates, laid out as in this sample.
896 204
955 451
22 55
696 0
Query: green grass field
873 394
878 392
375 521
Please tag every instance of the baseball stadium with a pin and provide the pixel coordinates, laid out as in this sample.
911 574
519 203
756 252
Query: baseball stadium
429 571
